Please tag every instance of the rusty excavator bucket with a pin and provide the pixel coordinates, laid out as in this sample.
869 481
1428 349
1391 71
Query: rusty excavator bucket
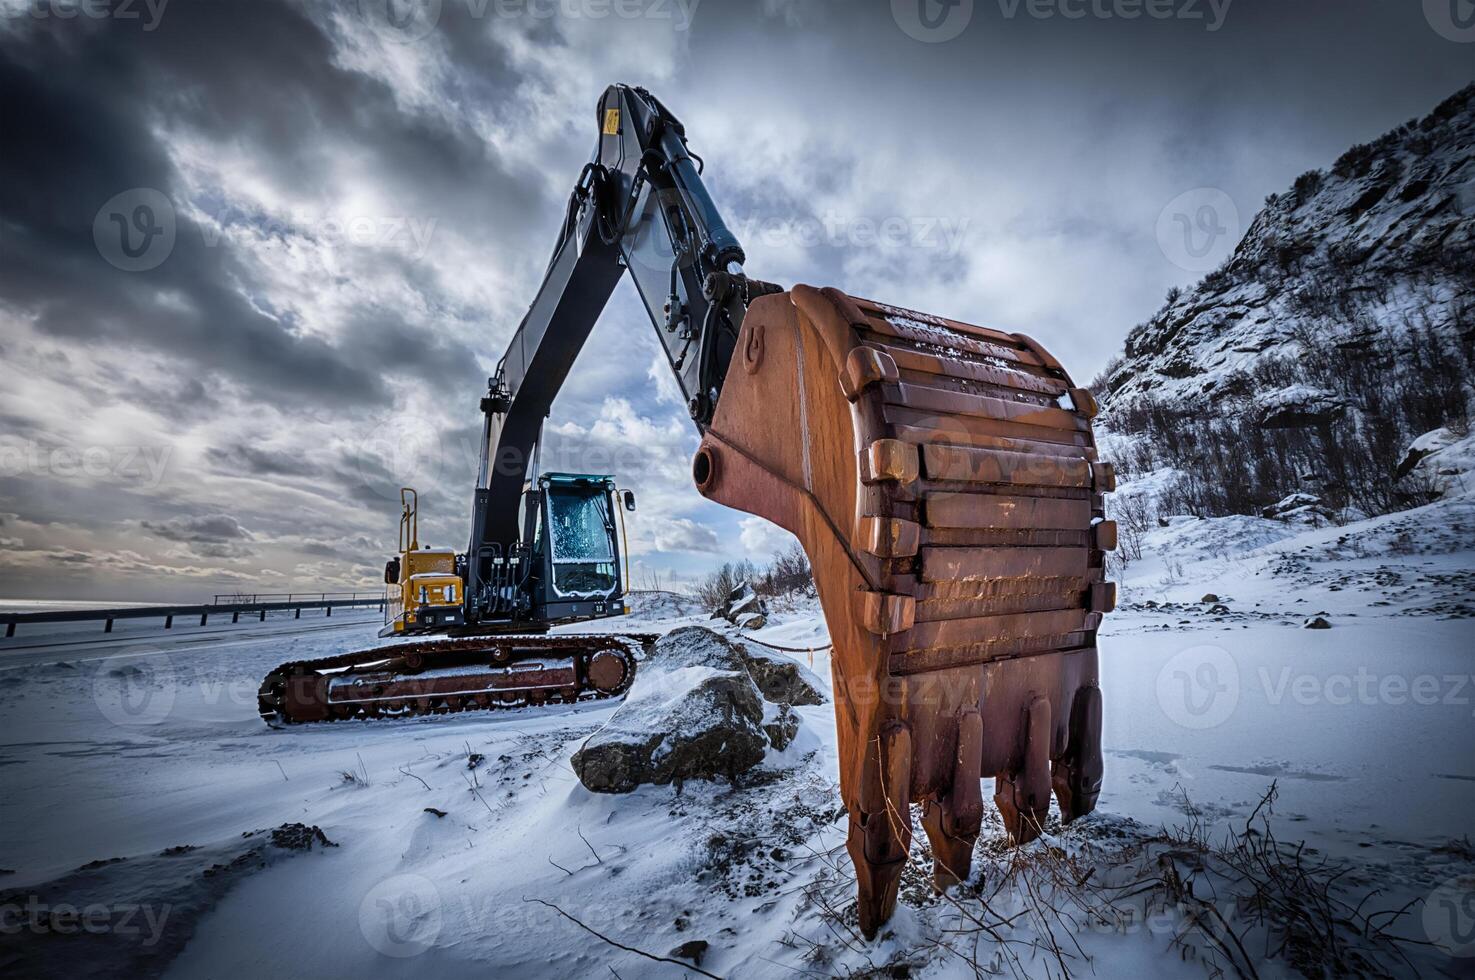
943 480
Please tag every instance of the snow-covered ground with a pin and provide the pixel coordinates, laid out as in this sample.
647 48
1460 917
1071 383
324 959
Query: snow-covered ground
133 744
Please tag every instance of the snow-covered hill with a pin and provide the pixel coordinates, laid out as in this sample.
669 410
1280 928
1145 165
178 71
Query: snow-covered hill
1341 329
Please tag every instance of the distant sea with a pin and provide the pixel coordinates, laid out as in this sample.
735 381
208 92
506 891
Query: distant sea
54 605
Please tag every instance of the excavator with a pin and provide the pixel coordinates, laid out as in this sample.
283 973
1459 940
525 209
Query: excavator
941 476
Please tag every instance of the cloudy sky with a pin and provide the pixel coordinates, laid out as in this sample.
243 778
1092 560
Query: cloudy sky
351 212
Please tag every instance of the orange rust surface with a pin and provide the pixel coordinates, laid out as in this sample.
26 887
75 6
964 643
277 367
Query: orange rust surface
943 479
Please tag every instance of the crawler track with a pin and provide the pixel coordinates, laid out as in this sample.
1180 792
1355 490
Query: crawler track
445 676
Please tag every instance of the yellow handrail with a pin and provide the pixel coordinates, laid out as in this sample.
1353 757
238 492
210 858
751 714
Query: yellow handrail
624 539
409 520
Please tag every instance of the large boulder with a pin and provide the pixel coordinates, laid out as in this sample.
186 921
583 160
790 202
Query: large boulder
782 680
693 712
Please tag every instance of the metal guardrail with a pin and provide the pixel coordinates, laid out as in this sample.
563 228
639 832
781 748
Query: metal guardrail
259 603
204 611
236 598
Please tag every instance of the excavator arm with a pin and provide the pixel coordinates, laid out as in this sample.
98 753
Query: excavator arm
638 206
941 476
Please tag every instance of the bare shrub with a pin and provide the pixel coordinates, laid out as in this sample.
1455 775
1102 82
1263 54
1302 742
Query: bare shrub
1393 381
788 574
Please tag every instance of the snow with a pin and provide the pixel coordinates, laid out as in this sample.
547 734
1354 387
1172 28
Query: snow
1446 462
128 744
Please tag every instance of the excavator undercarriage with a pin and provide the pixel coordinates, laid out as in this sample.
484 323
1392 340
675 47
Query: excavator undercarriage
446 676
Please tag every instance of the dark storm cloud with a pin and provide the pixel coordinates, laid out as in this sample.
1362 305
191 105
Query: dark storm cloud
191 530
88 113
75 141
207 536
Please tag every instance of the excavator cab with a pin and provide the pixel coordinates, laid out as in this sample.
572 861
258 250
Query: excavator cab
566 566
574 562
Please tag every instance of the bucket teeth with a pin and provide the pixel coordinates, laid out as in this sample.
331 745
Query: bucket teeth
943 480
864 367
890 459
890 537
884 614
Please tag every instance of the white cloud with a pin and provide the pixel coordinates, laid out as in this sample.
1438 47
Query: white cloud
763 539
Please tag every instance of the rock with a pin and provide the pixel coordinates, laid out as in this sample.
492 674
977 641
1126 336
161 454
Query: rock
1423 447
1209 597
1440 463
743 599
1300 508
1298 406
780 724
782 680
1316 623
1218 609
692 713
692 949
299 837
751 621
745 608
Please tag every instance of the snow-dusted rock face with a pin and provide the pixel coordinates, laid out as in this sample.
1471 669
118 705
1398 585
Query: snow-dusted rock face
1341 328
694 712
1438 464
1376 240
